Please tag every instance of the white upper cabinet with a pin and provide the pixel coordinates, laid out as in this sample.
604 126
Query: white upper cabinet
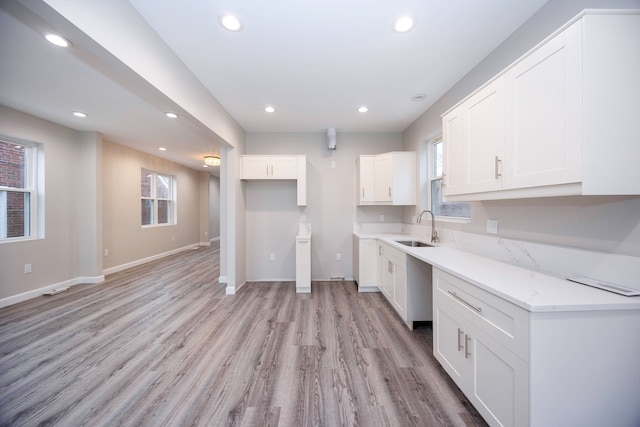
386 179
255 167
269 167
544 108
365 177
559 121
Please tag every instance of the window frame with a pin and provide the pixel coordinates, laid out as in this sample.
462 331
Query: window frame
155 200
431 176
33 187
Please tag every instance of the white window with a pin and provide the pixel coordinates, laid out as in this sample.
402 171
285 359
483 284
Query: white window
18 191
157 198
457 210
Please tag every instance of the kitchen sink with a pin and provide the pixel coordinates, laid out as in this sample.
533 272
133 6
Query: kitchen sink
414 243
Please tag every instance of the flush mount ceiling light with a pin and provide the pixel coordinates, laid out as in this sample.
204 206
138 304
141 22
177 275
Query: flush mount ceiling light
79 114
419 97
230 22
57 40
269 109
403 24
363 109
212 160
171 115
162 149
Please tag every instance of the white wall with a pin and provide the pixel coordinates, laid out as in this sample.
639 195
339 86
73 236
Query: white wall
610 224
272 215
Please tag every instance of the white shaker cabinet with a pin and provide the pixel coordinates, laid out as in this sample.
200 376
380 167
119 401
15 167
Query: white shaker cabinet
386 179
365 178
365 263
269 167
537 368
475 142
559 121
259 167
468 327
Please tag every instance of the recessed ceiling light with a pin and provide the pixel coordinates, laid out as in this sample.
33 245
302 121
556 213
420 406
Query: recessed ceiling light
205 166
79 114
403 24
419 97
57 40
363 109
269 109
162 149
171 115
231 23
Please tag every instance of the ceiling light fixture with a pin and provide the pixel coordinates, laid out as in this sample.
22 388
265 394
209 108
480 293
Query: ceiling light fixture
171 115
162 149
212 160
57 40
403 24
419 97
231 23
363 109
79 114
269 109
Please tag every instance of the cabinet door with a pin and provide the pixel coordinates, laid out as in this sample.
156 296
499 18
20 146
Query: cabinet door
400 287
284 167
367 268
544 97
255 167
453 124
448 342
365 176
499 381
388 279
484 139
383 178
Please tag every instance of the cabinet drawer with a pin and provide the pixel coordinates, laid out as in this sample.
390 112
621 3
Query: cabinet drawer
503 321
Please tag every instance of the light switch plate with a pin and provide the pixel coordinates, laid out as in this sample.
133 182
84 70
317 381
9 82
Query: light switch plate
492 226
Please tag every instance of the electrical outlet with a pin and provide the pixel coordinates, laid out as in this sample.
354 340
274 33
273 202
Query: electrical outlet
272 256
333 164
173 238
492 226
106 252
303 218
27 268
338 256
381 218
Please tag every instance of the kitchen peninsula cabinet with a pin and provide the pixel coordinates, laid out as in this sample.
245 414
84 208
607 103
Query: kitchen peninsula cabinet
536 368
258 167
386 179
559 121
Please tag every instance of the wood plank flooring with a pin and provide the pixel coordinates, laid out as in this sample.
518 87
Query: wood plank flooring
162 345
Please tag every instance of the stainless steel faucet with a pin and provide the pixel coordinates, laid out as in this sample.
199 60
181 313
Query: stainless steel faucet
434 233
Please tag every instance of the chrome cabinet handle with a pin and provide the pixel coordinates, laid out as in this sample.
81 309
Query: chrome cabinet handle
478 309
389 191
460 334
497 163
379 250
467 352
363 193
444 180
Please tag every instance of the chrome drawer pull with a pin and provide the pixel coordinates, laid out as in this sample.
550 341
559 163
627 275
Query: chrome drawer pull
478 309
460 334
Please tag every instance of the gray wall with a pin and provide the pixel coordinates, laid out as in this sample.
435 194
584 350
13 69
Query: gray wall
272 216
214 207
610 224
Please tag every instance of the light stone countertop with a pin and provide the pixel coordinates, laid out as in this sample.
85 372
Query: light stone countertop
535 291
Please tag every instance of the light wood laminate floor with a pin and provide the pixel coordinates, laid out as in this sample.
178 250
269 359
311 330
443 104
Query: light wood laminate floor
161 344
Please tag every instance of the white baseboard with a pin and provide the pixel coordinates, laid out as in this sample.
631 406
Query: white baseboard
136 263
222 279
14 299
215 239
231 290
204 244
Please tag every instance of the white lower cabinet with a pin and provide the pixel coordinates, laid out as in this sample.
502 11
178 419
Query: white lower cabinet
577 367
490 374
406 283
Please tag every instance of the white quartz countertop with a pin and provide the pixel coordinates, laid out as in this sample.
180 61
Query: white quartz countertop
532 290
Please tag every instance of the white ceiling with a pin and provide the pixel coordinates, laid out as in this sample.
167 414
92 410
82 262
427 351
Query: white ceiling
315 62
